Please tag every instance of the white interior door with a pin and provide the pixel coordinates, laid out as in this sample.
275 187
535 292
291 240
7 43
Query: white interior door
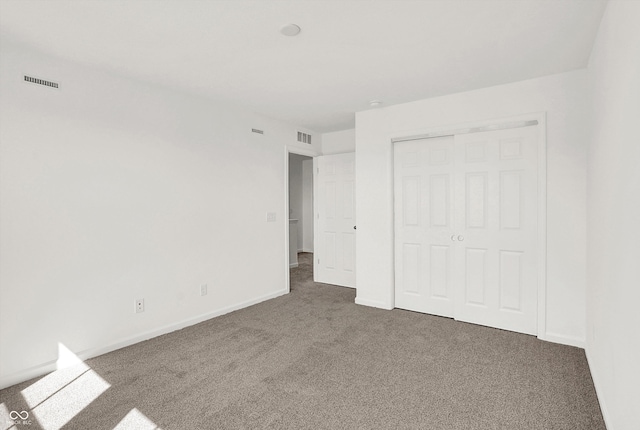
466 227
423 189
335 243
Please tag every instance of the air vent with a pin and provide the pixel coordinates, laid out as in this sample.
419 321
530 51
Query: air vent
304 137
40 82
255 130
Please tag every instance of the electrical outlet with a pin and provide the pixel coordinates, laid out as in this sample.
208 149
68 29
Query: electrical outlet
203 289
139 305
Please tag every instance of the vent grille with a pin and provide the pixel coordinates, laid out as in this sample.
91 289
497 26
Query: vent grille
40 82
304 137
255 130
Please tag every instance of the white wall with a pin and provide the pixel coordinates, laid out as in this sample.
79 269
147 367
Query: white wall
112 190
564 98
613 294
339 142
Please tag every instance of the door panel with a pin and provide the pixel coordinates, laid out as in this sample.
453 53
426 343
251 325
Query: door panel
475 277
334 260
511 282
423 222
496 211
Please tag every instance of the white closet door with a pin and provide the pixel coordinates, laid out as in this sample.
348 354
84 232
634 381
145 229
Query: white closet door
335 250
496 229
423 225
466 227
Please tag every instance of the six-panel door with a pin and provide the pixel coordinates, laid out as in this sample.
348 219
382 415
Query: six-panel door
336 218
466 227
423 192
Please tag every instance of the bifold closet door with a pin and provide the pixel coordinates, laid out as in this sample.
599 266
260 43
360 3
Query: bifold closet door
496 229
466 227
423 190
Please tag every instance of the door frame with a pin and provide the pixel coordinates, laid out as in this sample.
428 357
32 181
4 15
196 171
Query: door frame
540 117
307 153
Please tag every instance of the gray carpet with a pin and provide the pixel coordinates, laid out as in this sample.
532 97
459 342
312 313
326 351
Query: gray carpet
314 360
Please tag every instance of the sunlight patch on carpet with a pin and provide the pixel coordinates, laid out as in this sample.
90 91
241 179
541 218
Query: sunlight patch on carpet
136 420
58 397
5 420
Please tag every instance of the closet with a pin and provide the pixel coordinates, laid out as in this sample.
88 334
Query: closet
466 226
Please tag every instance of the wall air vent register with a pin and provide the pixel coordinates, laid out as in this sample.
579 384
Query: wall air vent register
304 137
40 81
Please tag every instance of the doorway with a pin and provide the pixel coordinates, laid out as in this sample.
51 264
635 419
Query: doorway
300 210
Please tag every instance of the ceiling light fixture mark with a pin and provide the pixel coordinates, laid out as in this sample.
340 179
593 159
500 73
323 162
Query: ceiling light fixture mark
290 30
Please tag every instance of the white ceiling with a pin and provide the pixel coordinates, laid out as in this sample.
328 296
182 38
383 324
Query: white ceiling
348 53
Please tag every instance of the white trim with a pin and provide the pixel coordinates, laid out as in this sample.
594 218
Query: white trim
306 250
599 392
293 265
372 303
346 151
542 225
316 232
301 151
467 130
564 340
50 366
540 117
391 219
447 128
285 220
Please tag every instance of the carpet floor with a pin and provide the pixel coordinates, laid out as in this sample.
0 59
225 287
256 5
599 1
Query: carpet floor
313 359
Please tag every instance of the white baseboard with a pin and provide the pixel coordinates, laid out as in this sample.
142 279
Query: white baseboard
562 339
372 303
310 250
599 394
43 369
293 265
25 375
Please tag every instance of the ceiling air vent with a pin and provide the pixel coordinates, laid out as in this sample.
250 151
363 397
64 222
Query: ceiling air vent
40 82
304 137
255 130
